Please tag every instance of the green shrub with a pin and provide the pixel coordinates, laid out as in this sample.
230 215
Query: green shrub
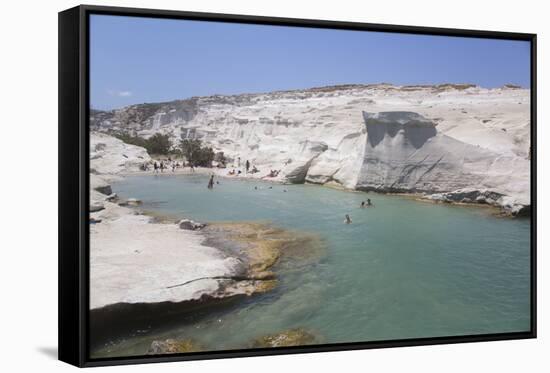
157 144
196 154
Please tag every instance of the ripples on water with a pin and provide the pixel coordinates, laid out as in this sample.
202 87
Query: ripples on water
402 269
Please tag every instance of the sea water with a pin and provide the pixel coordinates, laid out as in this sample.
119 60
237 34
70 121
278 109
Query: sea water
402 269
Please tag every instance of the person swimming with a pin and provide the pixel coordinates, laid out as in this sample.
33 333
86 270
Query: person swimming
369 203
363 204
348 219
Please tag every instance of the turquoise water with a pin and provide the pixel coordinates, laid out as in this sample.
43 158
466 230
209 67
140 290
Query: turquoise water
402 269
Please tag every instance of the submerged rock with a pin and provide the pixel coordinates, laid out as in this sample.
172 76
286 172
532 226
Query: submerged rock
287 338
130 202
190 224
173 346
133 202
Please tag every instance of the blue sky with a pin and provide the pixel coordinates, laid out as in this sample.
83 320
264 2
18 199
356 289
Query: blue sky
136 60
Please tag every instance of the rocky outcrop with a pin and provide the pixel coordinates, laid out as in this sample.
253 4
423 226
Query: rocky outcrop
190 224
405 153
340 164
96 206
100 184
287 338
468 195
173 346
297 168
111 156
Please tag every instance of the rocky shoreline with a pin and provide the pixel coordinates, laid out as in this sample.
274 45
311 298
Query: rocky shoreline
506 206
144 267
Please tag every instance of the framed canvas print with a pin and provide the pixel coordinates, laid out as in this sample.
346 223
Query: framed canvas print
234 186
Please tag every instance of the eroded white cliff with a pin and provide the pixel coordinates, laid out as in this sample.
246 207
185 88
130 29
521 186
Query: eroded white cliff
431 139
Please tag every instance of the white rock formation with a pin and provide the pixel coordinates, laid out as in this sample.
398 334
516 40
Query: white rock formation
405 152
434 139
135 261
110 156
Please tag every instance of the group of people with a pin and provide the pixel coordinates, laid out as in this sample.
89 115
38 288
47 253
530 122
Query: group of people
163 164
235 171
160 166
364 204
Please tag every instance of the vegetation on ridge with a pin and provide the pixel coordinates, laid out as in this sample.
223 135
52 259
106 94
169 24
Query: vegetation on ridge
157 144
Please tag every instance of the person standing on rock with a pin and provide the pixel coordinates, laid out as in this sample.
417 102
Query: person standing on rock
247 165
211 182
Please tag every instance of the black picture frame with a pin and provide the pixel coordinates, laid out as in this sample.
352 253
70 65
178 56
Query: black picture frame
73 254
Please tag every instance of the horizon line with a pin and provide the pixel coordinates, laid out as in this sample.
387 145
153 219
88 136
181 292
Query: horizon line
341 86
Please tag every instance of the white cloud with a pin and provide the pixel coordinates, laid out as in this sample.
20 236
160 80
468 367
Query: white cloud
119 93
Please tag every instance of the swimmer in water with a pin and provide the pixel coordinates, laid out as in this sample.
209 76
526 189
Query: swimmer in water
348 219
